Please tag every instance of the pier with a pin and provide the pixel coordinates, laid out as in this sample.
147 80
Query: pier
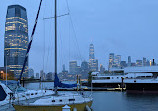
93 89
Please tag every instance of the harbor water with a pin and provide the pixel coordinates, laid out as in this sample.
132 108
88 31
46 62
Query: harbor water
111 101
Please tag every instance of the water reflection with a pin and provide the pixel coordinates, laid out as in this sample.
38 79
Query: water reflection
121 101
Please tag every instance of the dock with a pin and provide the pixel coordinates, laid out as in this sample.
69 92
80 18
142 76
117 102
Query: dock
93 89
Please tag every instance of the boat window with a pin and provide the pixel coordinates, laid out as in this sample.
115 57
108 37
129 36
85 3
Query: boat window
112 77
53 100
117 77
100 78
60 100
71 99
27 94
32 94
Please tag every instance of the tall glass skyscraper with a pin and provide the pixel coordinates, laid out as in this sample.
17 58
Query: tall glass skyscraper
93 63
16 39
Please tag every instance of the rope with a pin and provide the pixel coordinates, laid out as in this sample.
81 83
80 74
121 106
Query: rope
73 30
29 45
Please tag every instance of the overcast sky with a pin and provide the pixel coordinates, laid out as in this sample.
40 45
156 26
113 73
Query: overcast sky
124 27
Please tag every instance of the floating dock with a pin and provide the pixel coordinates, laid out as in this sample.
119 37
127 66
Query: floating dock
93 89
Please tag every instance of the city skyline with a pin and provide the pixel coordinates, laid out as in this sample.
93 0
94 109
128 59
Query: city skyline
123 31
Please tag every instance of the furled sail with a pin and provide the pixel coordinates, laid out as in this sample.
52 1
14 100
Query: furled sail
58 83
29 45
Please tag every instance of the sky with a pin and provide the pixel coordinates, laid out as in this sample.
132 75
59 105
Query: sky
123 27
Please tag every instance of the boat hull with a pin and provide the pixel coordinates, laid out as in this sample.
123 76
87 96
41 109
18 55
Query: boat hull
79 107
142 87
107 85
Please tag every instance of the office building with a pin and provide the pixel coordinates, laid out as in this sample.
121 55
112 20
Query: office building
37 76
117 60
111 60
49 76
102 69
73 67
138 62
144 61
93 63
30 73
42 75
129 61
84 67
123 64
16 39
147 63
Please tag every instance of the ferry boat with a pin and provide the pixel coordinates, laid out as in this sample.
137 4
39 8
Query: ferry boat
135 79
111 80
146 83
8 95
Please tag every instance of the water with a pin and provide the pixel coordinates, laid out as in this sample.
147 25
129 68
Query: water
120 101
114 101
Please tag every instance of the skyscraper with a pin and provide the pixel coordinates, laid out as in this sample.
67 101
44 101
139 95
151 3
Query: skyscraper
37 76
84 67
102 69
129 61
144 61
63 68
73 67
117 60
111 60
42 75
91 54
123 64
93 63
16 39
30 72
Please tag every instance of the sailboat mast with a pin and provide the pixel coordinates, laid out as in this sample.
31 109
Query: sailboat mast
55 26
6 71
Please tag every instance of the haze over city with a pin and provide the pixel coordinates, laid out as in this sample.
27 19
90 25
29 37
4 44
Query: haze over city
127 28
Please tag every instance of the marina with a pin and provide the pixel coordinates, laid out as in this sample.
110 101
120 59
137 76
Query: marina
45 48
121 101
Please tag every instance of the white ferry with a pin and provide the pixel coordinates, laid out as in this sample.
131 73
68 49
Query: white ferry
135 79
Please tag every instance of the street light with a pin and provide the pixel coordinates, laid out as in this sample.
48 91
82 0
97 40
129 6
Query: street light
3 74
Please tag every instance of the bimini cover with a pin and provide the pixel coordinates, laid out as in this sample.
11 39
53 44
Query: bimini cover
3 95
58 83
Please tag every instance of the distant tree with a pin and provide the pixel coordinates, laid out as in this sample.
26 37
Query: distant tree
32 77
106 72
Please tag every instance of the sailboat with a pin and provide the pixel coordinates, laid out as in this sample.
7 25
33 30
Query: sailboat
56 101
9 92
